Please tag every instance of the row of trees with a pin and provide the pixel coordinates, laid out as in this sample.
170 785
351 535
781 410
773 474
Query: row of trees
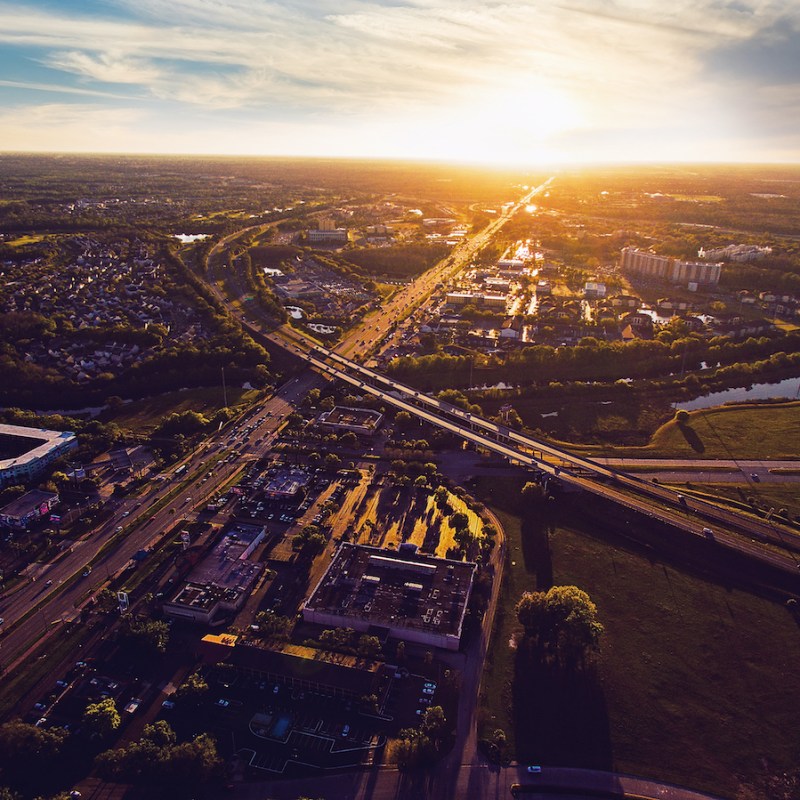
596 360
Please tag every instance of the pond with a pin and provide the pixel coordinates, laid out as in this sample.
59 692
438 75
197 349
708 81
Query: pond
788 388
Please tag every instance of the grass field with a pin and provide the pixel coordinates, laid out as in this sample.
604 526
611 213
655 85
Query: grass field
757 431
695 684
142 416
769 495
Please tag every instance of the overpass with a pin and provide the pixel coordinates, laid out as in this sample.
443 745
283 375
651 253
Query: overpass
654 501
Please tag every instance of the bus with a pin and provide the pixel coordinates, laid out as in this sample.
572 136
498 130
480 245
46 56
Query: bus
180 471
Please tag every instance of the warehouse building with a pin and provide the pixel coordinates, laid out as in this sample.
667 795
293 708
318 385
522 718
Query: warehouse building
407 596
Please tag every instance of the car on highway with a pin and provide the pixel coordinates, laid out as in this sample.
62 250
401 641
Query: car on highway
755 477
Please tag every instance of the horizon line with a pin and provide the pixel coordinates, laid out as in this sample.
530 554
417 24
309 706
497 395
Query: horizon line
488 165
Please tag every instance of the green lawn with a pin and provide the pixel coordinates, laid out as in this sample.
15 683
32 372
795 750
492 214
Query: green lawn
142 416
758 431
696 682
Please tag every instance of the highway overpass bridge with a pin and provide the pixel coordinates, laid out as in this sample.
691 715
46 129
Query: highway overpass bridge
690 514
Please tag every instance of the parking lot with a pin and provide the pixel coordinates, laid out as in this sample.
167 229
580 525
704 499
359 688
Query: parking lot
275 728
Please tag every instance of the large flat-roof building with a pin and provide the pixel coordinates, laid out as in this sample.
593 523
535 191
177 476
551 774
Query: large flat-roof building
409 596
642 262
25 510
25 452
363 421
221 582
299 667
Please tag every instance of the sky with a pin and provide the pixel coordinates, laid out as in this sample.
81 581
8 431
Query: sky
518 83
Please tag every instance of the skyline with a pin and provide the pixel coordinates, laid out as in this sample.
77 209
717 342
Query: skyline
459 80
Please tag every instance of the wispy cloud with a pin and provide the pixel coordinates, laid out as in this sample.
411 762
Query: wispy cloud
360 63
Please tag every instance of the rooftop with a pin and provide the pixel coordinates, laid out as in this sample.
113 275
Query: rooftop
27 444
225 573
390 588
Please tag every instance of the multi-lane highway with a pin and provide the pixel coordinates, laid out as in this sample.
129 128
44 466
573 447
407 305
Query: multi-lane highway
51 594
651 500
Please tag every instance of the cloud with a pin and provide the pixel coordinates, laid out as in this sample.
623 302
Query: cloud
770 56
105 67
539 68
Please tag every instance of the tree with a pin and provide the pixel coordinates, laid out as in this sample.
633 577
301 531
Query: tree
459 520
332 461
20 742
533 493
368 646
193 689
402 419
327 403
273 626
561 623
682 416
26 751
338 639
105 601
434 723
102 718
145 634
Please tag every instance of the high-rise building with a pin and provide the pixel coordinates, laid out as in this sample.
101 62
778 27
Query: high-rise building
666 268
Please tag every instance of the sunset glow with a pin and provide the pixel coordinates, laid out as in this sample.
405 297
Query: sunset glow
518 82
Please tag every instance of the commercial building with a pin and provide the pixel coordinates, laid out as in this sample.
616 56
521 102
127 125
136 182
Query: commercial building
666 268
327 232
302 668
25 453
479 300
24 511
362 421
220 583
412 597
286 484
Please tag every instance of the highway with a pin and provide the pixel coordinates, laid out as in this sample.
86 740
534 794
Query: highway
742 533
52 594
651 500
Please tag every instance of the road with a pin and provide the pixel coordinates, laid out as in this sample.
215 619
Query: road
54 593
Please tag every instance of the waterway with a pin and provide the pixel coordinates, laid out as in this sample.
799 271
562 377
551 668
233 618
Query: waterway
188 238
788 388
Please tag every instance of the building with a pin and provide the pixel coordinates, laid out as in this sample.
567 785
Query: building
25 453
735 252
286 484
300 668
24 511
412 597
478 299
220 583
666 268
363 421
594 290
327 232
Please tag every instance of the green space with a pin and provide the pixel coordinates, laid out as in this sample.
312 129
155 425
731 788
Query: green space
769 431
28 239
695 681
143 416
766 495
